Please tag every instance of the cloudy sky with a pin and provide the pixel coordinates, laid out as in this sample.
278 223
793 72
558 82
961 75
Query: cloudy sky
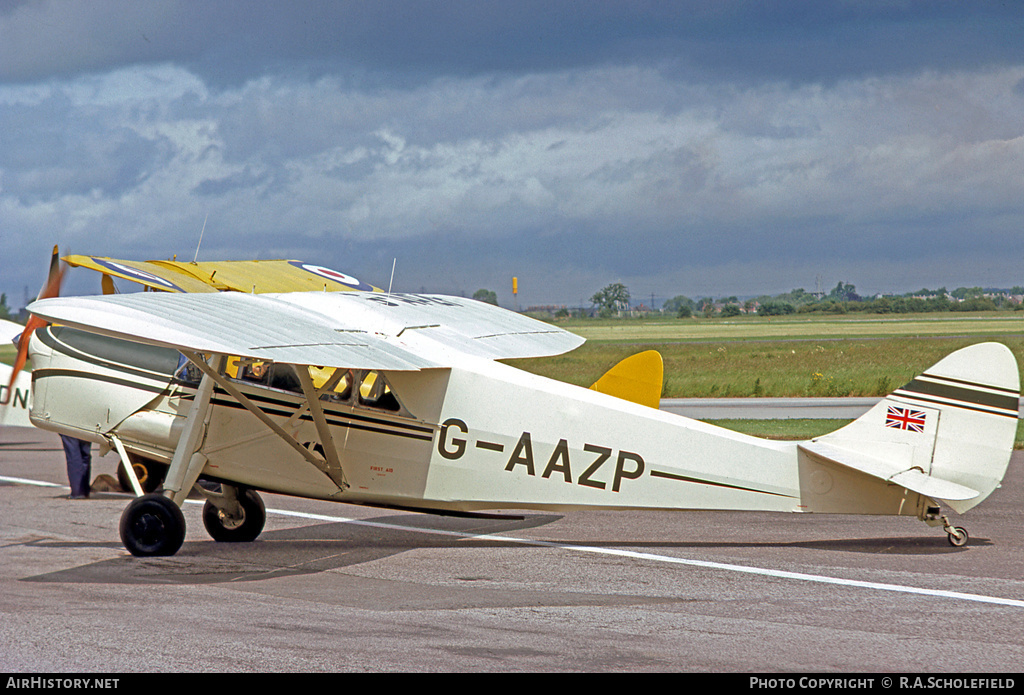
680 147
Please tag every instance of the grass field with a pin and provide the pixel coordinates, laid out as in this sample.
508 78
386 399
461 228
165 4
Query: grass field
781 357
794 428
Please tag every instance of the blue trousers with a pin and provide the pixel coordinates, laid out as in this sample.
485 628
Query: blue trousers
79 459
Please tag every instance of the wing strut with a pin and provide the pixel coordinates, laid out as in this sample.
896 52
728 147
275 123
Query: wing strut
322 429
331 467
187 463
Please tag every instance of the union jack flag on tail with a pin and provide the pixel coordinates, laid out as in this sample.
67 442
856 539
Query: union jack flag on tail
905 419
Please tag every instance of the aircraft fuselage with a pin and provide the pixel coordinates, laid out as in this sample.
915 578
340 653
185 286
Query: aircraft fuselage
479 436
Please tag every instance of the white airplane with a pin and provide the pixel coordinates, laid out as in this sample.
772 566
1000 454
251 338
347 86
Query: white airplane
400 401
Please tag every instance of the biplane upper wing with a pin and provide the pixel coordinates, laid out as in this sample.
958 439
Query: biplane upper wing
364 330
218 276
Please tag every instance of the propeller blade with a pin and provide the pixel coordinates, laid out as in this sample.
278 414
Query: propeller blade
54 278
51 288
33 323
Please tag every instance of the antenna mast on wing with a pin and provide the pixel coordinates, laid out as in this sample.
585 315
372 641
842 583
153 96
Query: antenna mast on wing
392 280
201 238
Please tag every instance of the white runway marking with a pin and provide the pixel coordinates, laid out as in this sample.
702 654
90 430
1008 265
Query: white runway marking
26 481
650 557
779 574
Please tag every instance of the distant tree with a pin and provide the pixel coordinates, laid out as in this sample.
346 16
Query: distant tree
612 298
706 306
797 297
844 292
967 293
773 308
974 304
488 296
679 304
731 310
5 311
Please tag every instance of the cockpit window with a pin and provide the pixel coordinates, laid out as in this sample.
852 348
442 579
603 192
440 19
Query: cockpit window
283 376
373 390
102 349
272 374
376 393
355 387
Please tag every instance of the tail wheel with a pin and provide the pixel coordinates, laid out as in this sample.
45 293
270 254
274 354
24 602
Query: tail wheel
243 527
152 525
957 536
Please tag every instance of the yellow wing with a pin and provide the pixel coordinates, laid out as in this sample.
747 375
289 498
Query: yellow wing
218 276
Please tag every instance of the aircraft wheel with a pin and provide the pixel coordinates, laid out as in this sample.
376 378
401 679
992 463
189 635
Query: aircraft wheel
957 536
152 525
243 529
150 474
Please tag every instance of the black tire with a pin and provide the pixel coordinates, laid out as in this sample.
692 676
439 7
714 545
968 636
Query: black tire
150 474
152 526
244 530
957 537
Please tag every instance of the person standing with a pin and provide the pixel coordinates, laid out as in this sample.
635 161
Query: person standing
78 454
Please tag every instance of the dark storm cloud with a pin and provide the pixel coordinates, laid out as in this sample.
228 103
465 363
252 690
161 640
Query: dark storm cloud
230 41
68 152
701 147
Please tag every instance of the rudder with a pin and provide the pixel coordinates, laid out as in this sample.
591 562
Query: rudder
948 434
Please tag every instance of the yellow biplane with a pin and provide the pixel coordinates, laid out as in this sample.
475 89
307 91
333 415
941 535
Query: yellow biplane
256 277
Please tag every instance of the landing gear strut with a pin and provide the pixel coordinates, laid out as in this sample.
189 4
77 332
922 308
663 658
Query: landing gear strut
956 535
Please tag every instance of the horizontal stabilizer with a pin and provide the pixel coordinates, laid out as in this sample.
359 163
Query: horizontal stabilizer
913 479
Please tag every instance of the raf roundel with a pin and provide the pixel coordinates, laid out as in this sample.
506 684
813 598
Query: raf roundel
332 275
139 275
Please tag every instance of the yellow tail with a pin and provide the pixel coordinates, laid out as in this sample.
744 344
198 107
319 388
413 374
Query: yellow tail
637 379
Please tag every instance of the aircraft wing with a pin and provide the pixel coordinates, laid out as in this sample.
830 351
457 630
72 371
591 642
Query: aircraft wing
363 330
9 330
218 276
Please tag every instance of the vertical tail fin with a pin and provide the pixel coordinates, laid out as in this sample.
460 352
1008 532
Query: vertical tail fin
948 434
637 378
